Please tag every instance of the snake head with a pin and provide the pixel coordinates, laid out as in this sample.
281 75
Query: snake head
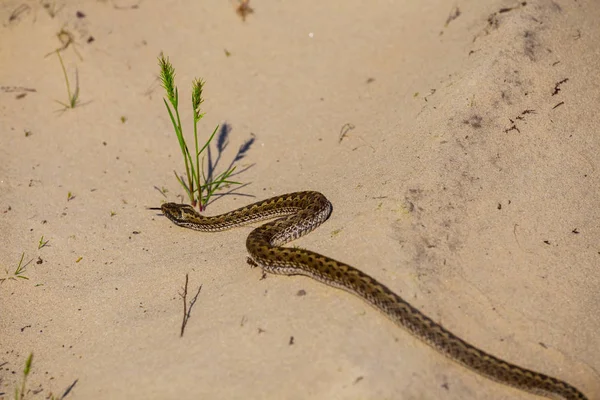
178 213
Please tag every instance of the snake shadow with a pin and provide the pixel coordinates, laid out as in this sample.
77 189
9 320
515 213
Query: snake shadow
213 161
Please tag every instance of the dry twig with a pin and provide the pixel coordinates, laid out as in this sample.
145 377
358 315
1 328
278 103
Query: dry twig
187 310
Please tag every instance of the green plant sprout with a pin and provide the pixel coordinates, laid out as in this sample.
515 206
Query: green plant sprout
43 243
20 395
19 271
73 97
198 187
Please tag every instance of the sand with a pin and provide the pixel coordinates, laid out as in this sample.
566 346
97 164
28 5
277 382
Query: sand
457 142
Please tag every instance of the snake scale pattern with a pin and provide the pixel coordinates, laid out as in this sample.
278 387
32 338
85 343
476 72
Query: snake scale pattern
297 214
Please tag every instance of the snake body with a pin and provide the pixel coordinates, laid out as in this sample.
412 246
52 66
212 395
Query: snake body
298 214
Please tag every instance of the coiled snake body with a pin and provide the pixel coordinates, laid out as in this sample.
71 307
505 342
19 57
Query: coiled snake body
298 214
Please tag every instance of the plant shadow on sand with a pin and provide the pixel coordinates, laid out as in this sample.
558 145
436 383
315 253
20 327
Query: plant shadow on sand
212 162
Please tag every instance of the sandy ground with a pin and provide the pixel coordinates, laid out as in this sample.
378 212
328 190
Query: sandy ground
469 185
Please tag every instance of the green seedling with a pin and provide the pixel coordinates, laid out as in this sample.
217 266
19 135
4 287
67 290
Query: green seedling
196 184
19 271
73 98
21 268
20 394
42 243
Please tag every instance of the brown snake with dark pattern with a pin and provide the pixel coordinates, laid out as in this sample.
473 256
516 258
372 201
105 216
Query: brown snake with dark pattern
298 214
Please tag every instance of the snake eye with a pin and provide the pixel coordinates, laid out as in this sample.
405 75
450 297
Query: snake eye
186 212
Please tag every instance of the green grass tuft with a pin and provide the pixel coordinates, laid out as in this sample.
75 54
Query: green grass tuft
196 184
73 98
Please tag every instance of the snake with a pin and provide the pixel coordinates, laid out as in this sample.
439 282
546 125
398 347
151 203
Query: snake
296 214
